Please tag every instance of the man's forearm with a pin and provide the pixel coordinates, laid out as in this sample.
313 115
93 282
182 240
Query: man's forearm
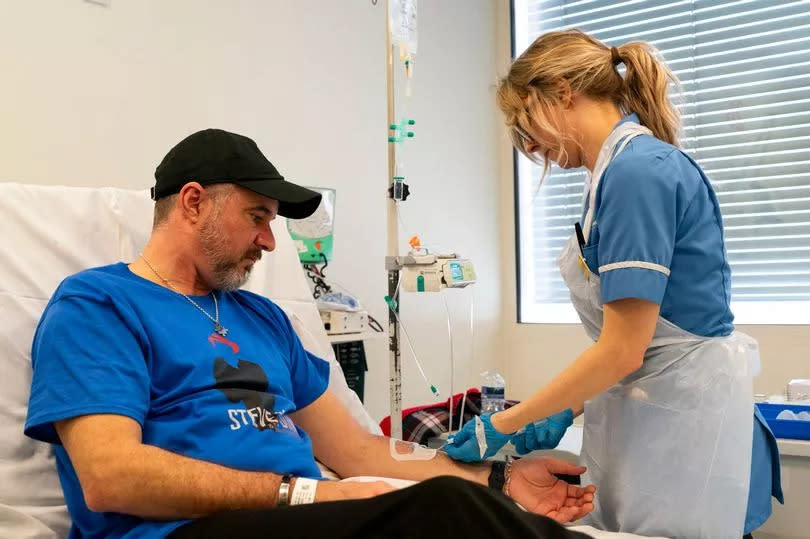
373 457
347 448
157 484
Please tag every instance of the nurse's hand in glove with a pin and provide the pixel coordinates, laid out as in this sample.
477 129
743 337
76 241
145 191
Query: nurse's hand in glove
476 441
534 486
543 434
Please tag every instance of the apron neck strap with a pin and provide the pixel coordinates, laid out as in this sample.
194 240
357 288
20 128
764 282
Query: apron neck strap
613 146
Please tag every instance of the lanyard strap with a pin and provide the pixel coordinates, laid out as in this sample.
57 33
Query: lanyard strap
613 146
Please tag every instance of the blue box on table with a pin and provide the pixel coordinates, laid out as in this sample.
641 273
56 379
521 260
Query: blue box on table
786 428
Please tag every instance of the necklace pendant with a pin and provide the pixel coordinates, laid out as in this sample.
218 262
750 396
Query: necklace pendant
220 329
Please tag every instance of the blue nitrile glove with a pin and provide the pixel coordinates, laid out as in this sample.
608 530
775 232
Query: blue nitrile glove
543 434
476 441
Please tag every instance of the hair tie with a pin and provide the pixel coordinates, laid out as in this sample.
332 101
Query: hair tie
614 56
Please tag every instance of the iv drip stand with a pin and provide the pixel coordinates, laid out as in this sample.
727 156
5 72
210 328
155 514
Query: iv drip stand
395 360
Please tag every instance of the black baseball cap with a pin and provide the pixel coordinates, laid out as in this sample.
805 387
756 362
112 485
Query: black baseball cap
216 156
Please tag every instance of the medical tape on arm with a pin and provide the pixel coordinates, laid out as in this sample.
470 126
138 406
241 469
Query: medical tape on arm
303 491
403 451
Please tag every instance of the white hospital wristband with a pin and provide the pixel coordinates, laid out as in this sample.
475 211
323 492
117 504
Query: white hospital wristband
303 491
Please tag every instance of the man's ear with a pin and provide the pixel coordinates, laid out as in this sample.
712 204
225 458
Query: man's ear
190 200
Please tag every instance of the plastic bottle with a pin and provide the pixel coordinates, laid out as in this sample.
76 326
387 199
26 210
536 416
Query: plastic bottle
492 392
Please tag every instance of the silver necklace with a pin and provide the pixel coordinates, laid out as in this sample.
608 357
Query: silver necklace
219 328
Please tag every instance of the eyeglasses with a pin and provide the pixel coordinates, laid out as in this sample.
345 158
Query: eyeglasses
526 140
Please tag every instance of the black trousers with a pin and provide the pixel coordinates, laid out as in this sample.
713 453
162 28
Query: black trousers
440 507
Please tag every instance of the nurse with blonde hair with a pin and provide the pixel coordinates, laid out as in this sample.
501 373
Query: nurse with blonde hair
671 438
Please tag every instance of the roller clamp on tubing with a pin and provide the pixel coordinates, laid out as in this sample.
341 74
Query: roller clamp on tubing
399 190
303 491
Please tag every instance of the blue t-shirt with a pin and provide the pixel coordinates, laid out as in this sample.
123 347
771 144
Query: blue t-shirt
657 235
112 342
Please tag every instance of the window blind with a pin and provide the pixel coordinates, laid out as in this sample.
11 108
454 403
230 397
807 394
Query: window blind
744 68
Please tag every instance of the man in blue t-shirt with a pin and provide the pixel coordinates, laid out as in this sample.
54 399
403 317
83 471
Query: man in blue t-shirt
181 406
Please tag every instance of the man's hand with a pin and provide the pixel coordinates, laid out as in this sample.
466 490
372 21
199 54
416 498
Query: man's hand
534 486
330 491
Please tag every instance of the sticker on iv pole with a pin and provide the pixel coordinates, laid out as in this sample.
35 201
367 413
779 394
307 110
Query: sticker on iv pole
403 451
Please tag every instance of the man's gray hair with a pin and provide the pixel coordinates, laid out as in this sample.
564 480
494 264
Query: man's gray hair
218 192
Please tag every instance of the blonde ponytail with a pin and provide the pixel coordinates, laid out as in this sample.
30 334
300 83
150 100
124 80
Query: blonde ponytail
575 61
646 88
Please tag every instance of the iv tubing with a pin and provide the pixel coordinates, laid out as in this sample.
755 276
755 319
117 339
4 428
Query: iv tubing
450 338
413 352
472 349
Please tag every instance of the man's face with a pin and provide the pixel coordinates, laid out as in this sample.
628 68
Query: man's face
234 234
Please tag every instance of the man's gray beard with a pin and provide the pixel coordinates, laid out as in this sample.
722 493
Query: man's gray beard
227 274
229 278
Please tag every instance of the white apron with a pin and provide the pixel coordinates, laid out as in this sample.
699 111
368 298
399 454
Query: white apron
668 447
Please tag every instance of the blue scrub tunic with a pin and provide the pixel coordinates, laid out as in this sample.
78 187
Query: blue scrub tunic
657 235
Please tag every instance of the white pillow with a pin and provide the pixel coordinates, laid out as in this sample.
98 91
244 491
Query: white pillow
304 316
29 485
50 232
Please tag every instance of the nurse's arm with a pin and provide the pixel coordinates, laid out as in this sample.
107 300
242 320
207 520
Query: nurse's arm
627 330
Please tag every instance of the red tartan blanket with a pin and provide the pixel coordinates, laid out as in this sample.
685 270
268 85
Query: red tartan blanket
421 423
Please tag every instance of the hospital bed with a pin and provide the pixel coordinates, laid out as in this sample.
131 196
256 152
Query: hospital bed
49 232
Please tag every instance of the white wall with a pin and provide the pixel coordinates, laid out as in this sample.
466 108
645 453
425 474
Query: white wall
95 96
537 352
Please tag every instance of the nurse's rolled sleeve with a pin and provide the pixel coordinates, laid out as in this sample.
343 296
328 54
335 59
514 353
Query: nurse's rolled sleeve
637 208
